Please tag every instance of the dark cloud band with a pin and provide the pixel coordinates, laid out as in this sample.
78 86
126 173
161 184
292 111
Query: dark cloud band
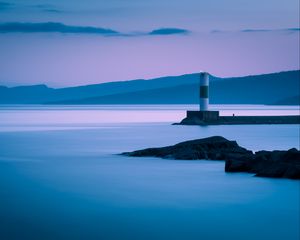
5 5
260 30
169 31
52 27
271 30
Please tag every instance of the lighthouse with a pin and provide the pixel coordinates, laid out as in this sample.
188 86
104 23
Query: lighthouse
204 91
203 115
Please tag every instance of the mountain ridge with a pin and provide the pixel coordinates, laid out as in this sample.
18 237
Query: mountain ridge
252 89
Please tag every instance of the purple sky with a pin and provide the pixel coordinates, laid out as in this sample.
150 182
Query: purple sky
67 55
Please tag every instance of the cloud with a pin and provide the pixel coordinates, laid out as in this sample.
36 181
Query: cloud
287 30
293 29
47 8
255 30
13 27
169 31
6 6
260 30
52 10
272 30
55 27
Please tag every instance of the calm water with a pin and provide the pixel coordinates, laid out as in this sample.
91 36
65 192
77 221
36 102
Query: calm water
61 177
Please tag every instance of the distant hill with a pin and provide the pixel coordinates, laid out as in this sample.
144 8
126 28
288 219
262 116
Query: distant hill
295 100
39 94
259 89
181 94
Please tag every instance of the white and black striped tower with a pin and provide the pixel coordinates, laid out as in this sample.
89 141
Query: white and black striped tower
204 91
204 115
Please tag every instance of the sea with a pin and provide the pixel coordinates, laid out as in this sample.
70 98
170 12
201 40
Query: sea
61 176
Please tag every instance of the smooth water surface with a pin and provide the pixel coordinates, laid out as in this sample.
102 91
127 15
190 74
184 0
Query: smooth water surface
61 177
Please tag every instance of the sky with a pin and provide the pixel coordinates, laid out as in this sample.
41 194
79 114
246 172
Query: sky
69 43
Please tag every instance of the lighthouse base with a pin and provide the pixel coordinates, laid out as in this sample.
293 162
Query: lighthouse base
203 116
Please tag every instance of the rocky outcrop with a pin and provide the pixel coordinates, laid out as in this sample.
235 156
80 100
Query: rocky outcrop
280 164
275 164
213 148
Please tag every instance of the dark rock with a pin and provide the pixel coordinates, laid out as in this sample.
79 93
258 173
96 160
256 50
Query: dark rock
238 164
213 148
277 164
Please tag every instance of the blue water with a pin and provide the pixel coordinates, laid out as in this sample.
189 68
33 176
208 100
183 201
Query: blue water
61 178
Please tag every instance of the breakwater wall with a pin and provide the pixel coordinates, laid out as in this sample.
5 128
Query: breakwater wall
213 118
